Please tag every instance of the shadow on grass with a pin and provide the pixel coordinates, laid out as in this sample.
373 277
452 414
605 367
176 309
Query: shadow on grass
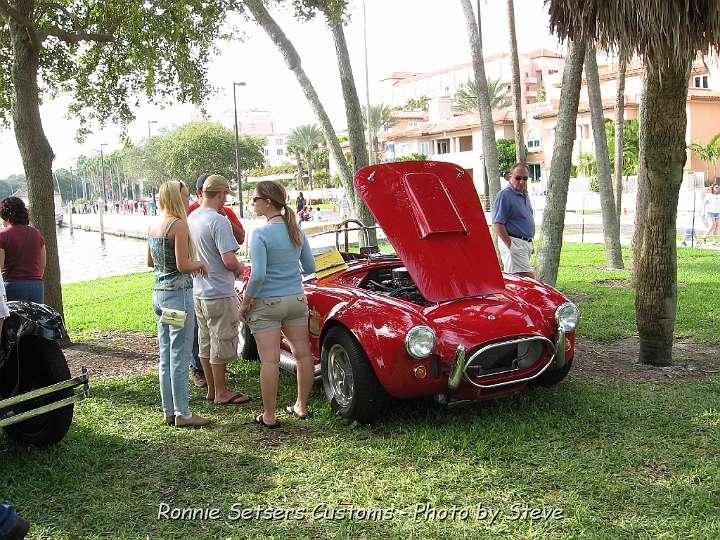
585 446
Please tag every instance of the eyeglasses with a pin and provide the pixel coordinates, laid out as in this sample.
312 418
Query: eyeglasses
256 199
521 178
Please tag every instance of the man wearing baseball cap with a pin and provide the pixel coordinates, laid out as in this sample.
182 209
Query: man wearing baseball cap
216 305
196 371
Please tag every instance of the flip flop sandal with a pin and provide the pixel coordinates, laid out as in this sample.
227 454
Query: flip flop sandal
236 399
259 420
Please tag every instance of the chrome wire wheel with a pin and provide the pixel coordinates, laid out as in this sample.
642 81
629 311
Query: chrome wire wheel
340 375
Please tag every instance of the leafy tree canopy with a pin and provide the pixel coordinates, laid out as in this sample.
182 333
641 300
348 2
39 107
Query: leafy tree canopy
104 53
506 155
631 145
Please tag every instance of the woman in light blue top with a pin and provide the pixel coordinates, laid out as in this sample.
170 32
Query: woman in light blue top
273 303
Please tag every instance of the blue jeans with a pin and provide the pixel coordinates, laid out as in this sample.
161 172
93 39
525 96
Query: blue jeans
8 518
175 351
30 290
196 363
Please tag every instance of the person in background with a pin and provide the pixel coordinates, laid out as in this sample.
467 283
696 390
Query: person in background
514 223
344 207
196 370
274 303
171 254
300 203
711 207
22 253
216 303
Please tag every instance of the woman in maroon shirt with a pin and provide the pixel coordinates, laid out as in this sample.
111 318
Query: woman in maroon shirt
22 253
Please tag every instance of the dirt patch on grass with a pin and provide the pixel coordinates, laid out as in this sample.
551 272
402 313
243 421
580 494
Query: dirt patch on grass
110 354
619 360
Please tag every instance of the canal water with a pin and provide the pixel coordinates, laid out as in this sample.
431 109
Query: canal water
83 256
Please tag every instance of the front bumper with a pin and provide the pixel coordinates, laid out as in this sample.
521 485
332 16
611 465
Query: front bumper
460 363
8 416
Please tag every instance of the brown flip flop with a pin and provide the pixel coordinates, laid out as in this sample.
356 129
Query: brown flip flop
235 399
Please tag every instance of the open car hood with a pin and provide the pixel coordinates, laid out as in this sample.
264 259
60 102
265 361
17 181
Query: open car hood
431 213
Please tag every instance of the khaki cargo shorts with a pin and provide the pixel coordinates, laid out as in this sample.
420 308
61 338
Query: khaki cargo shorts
277 311
217 322
516 259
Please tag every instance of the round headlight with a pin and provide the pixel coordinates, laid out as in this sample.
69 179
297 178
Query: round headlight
567 317
420 341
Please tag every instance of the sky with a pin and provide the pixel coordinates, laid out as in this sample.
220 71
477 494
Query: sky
403 35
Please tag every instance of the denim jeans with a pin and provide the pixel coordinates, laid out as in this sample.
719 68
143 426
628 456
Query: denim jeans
196 363
8 518
175 350
30 290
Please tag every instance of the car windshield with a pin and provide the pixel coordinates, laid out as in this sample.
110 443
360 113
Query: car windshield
326 240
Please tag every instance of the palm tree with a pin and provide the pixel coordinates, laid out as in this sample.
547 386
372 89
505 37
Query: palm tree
466 97
611 226
381 119
516 93
305 141
667 36
709 153
261 15
553 221
619 133
484 107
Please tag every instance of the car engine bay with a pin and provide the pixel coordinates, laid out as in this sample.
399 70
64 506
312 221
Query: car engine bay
395 282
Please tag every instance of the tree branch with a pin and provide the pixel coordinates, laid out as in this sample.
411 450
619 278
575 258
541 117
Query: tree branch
12 13
78 36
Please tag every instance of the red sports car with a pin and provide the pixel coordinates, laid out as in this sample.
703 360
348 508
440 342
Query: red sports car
438 317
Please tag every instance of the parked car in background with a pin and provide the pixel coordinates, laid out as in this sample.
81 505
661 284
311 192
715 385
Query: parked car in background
435 318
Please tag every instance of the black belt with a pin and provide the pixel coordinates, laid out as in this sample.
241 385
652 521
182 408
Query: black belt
527 239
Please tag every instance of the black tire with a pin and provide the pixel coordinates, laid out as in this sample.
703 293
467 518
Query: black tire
553 376
42 363
365 399
248 350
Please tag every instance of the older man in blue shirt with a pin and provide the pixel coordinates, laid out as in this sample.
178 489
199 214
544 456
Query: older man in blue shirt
514 224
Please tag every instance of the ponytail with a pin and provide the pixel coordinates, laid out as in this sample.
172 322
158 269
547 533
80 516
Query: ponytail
293 227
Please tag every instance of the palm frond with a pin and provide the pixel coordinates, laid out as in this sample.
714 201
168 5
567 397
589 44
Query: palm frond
665 32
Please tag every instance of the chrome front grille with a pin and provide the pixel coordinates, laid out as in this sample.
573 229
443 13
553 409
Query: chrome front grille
507 356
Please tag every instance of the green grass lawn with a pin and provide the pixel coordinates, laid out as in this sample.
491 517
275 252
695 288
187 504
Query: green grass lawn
620 459
124 303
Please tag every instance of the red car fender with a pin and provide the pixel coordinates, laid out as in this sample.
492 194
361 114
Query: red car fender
386 353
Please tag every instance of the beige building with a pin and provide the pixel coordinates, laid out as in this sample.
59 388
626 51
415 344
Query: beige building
443 135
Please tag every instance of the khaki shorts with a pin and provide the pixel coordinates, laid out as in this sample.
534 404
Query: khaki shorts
217 322
516 259
277 312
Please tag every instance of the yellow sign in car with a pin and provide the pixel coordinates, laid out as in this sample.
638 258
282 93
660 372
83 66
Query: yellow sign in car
328 263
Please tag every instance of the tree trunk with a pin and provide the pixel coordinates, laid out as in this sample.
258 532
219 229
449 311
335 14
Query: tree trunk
665 121
486 121
516 91
353 111
292 59
36 153
641 196
611 227
619 135
554 215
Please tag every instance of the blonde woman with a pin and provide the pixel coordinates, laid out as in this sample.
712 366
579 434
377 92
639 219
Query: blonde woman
171 254
274 303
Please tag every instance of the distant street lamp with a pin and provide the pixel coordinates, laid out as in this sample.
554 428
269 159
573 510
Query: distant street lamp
237 150
149 122
102 170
